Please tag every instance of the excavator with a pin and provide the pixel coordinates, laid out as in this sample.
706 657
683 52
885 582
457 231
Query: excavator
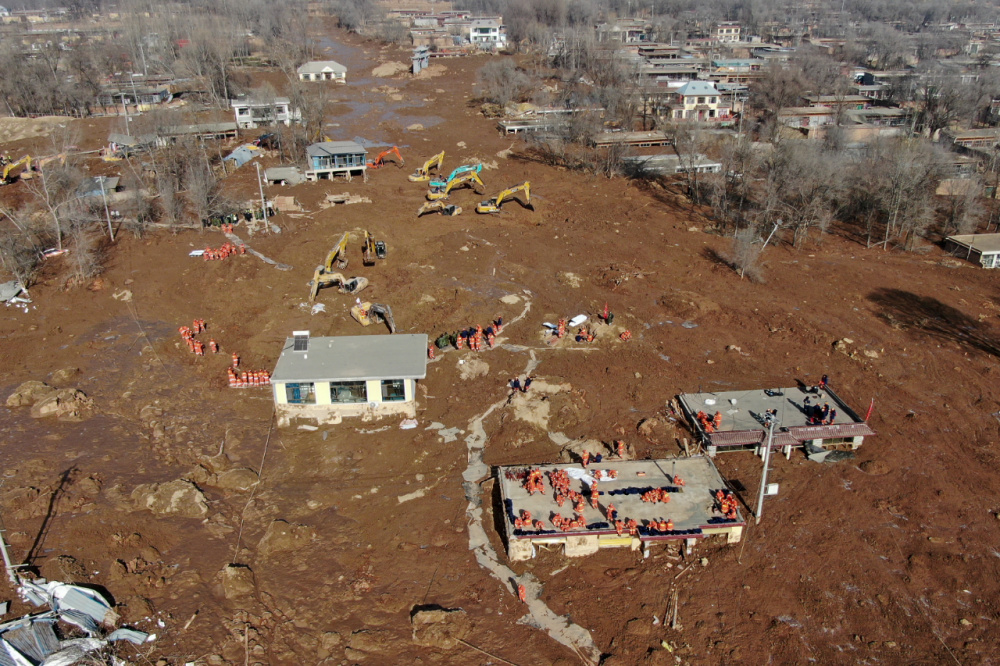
471 178
493 205
344 285
324 275
7 179
439 206
379 161
372 249
454 174
368 313
423 173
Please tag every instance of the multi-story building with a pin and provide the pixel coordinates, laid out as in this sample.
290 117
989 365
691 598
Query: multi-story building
700 101
728 32
255 113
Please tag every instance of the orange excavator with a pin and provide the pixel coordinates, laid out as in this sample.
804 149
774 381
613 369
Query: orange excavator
379 161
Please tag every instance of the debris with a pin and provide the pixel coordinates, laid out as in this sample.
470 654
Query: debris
308 427
408 424
11 290
237 581
174 498
316 309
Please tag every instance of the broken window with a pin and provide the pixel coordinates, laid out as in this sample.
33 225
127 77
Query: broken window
348 392
393 390
301 393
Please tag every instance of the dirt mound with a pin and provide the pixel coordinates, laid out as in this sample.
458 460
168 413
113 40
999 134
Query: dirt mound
874 467
174 498
439 628
391 68
65 404
29 393
17 129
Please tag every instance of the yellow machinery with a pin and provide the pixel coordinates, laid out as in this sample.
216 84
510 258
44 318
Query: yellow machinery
372 249
423 174
324 275
470 178
6 178
379 161
493 205
439 206
344 285
367 314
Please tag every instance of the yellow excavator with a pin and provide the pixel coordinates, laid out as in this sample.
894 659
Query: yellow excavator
344 285
470 178
493 205
372 249
324 275
368 313
439 206
423 174
7 178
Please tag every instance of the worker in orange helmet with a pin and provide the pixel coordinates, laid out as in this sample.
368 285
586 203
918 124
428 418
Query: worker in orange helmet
620 448
717 420
612 512
522 593
585 458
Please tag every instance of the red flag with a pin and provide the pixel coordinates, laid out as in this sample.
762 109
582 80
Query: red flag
871 408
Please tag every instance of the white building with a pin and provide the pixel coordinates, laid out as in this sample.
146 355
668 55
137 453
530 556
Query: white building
700 101
728 32
256 113
325 379
487 33
323 70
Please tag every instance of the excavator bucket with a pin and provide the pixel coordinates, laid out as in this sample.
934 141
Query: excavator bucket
344 285
439 206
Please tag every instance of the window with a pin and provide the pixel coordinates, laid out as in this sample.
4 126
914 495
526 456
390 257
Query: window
711 100
348 392
302 393
701 100
393 390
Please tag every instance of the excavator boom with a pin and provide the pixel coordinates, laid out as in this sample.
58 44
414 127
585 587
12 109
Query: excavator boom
471 178
493 205
379 161
423 173
456 173
439 206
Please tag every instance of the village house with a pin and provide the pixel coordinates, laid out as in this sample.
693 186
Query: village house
487 33
728 32
335 158
251 113
327 378
983 249
139 96
700 101
624 31
323 70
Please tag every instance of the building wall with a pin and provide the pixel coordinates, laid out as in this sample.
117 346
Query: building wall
324 410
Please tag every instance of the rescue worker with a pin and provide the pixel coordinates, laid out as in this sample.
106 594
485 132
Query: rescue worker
527 384
832 417
522 593
585 458
620 448
612 512
717 420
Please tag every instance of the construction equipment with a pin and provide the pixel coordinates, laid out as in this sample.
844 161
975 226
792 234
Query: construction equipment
471 179
324 275
439 206
367 314
338 254
423 173
6 178
344 285
379 161
372 249
493 205
454 174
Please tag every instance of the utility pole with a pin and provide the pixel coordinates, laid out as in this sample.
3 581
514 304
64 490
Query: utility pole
125 109
763 476
107 213
263 202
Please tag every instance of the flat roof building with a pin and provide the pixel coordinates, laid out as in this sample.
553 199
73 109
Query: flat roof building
331 158
691 507
327 378
742 419
984 249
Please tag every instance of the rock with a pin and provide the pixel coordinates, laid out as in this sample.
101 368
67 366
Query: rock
150 412
415 127
638 627
65 375
965 623
733 348
371 640
647 426
870 353
510 299
282 536
236 479
331 640
66 404
571 280
174 498
237 581
439 628
704 560
28 393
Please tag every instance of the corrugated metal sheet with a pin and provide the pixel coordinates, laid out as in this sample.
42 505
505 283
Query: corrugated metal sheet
803 433
35 640
793 436
736 437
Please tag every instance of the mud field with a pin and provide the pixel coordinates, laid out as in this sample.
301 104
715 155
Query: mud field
341 534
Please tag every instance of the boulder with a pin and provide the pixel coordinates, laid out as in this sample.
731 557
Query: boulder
65 375
28 393
237 581
282 536
442 628
65 404
236 479
174 498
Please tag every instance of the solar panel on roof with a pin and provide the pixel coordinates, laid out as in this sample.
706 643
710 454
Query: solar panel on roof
300 341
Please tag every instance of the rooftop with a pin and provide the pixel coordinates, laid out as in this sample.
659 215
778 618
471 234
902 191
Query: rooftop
334 148
354 358
690 506
985 243
319 66
698 88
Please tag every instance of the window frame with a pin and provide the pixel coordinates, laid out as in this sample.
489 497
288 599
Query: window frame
296 387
